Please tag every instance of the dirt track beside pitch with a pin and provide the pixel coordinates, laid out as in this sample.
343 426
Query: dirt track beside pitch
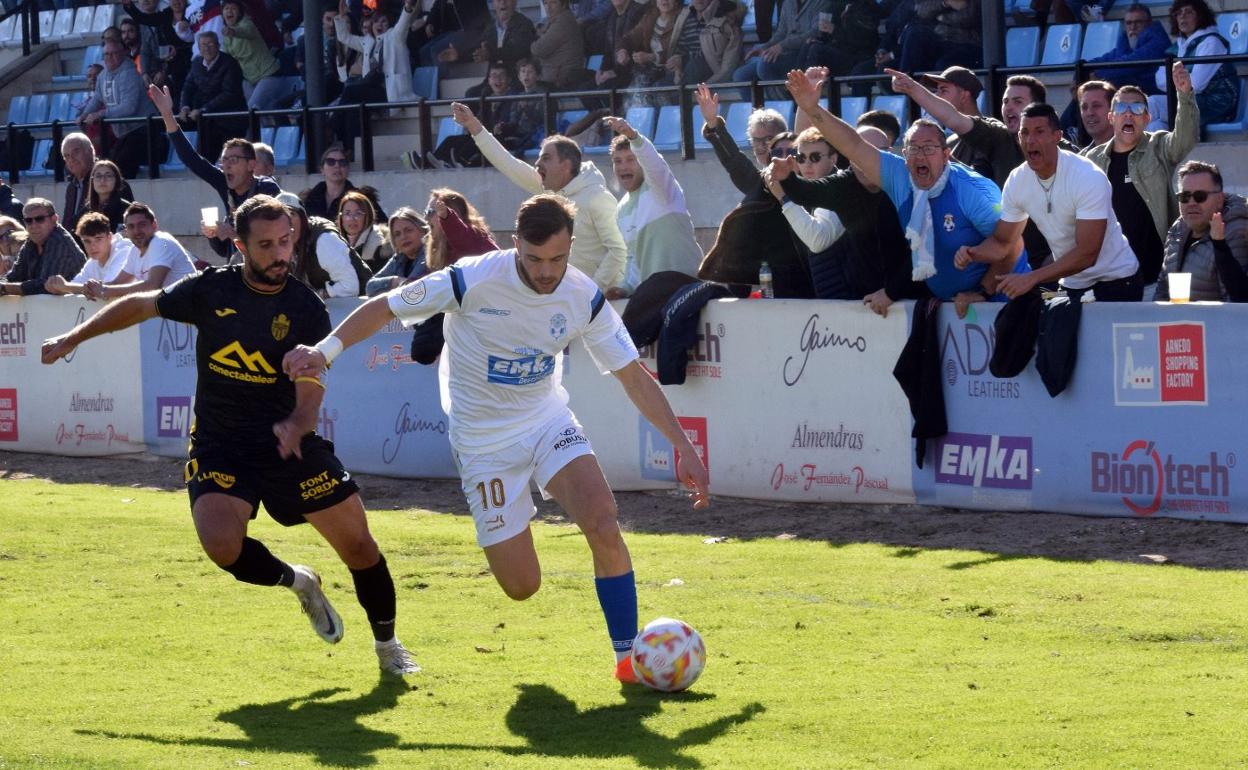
1203 544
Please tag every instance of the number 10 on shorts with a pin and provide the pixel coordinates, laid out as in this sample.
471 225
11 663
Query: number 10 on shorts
497 495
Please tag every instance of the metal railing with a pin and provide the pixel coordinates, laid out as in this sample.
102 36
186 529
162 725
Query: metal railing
310 121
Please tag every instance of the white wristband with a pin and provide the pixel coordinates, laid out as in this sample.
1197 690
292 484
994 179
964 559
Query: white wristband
329 347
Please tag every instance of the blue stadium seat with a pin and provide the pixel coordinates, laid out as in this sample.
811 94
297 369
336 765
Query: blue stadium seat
105 14
1099 38
37 110
93 55
425 82
1022 46
267 135
60 106
566 118
1234 27
45 24
7 29
783 106
594 62
82 21
174 163
641 119
286 145
700 142
667 128
1061 44
43 148
896 104
62 24
736 119
1241 119
17 109
447 127
852 108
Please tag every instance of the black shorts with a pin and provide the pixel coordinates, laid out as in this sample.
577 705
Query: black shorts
288 488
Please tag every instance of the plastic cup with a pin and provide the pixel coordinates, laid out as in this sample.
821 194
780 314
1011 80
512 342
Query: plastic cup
209 216
1180 287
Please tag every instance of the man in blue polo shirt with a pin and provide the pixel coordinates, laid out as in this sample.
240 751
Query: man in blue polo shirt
942 206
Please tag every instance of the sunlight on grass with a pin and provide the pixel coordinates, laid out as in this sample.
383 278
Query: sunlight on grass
124 647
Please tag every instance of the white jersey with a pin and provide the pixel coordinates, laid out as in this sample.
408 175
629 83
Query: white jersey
501 370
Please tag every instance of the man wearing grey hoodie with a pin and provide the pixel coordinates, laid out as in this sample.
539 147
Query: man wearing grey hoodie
599 250
121 93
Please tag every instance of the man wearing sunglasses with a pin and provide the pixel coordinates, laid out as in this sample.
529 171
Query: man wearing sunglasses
49 250
1210 238
1140 165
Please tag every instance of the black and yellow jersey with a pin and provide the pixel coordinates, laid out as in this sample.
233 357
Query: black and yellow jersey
243 334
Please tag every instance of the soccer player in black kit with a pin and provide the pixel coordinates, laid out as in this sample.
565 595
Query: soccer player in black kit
254 437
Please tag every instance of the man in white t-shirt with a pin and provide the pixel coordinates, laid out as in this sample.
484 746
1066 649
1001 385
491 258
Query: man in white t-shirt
509 316
1071 202
107 254
157 262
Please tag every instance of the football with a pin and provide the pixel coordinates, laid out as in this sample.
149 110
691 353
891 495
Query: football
668 655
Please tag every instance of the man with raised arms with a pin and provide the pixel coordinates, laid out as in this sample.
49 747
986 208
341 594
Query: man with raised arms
509 315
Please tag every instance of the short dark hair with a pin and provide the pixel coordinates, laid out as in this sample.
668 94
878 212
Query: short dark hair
139 208
1039 110
1039 94
249 150
1201 167
1136 8
262 207
883 120
620 142
1097 85
1204 14
924 123
567 150
542 216
93 223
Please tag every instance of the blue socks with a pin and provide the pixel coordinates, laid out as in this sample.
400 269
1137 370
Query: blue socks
618 597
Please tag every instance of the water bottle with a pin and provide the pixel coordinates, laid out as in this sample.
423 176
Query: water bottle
764 281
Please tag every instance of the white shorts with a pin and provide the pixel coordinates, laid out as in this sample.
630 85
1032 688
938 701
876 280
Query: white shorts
496 484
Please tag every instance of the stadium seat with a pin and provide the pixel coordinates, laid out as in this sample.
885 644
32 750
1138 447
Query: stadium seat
594 62
17 109
566 118
447 127
60 106
62 24
93 55
425 82
43 148
37 109
174 163
896 104
1022 46
1061 44
1099 38
783 106
641 119
1234 27
287 147
8 28
83 18
667 128
267 134
852 108
699 141
736 119
105 13
1241 118
45 24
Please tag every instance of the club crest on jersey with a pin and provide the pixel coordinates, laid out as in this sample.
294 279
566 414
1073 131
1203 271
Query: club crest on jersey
948 223
558 325
414 293
280 327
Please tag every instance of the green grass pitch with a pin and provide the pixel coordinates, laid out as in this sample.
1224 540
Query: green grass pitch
124 647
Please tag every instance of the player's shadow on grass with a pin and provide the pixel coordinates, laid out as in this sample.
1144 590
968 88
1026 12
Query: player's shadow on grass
328 731
553 726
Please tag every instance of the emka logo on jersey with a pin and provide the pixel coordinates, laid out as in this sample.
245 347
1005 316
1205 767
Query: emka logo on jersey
525 370
173 416
657 456
176 343
965 350
978 460
13 334
1160 364
8 414
704 356
1148 479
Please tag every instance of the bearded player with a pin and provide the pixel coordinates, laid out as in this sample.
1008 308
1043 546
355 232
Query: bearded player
509 315
254 437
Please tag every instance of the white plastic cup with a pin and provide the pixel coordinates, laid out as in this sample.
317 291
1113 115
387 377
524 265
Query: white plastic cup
1180 287
209 215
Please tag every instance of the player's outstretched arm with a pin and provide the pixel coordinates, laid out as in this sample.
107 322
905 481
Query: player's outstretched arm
365 321
121 314
645 394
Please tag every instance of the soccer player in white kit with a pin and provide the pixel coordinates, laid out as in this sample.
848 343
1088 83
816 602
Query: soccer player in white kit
509 315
